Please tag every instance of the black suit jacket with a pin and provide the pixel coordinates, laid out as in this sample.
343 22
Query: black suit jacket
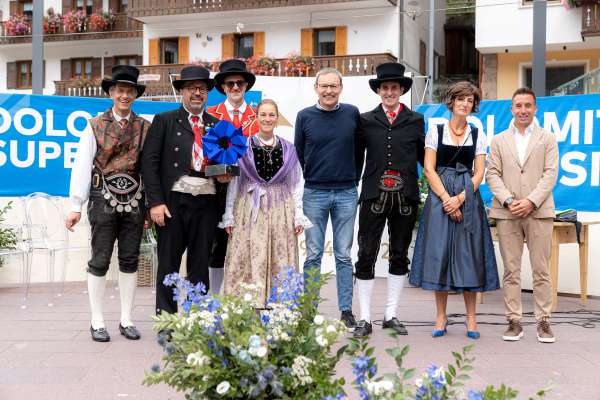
167 153
398 146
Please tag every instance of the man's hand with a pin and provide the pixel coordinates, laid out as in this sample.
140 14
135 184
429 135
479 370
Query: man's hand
521 208
298 230
225 178
72 220
158 213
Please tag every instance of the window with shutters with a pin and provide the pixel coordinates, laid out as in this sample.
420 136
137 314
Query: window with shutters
244 45
126 60
169 50
324 42
86 6
81 68
27 9
24 74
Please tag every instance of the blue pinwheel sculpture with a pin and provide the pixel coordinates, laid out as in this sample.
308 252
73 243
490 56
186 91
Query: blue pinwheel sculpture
223 144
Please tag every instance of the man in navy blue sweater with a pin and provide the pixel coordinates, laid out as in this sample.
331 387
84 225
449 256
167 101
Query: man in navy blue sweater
325 141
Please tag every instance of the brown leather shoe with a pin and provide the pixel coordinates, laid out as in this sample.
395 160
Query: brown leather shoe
514 331
544 332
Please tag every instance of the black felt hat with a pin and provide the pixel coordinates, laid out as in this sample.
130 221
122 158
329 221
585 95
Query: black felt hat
194 73
390 72
233 67
124 74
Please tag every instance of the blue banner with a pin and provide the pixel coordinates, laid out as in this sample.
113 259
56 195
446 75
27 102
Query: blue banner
574 120
39 135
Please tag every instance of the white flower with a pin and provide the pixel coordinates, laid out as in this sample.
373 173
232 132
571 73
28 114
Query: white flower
319 331
419 382
318 319
261 351
224 316
197 359
330 329
387 386
321 341
247 297
223 387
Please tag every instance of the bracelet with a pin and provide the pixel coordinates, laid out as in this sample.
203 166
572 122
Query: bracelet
442 194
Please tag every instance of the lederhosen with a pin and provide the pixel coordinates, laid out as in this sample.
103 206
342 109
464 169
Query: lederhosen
116 206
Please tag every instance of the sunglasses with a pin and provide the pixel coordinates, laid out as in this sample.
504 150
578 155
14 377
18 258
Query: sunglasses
232 84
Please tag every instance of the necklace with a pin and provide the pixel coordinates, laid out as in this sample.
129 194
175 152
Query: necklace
271 143
267 149
464 129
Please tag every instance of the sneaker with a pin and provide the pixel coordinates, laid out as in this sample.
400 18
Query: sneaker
348 319
514 331
544 333
395 325
363 328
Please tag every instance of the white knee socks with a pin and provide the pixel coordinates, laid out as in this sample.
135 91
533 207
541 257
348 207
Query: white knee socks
395 284
127 286
365 288
96 288
215 277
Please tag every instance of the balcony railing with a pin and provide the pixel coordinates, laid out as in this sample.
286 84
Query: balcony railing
122 27
585 84
157 78
590 19
146 8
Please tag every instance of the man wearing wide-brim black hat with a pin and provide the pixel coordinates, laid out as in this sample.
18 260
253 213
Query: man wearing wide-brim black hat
232 80
106 171
181 198
394 140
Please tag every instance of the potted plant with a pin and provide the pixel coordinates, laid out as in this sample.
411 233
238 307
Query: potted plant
51 22
298 65
74 22
101 21
262 65
8 237
18 25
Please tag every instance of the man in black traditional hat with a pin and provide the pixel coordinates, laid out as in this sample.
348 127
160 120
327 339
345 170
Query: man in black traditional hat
107 171
393 137
182 200
233 80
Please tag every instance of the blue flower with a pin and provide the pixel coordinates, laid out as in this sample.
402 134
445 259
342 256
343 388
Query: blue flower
265 319
155 368
243 356
474 395
169 349
254 341
224 144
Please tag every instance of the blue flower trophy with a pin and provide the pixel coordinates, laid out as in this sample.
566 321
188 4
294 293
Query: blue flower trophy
223 144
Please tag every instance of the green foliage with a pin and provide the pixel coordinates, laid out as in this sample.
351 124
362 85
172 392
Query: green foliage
8 237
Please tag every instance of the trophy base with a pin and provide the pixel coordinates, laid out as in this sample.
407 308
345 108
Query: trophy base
222 169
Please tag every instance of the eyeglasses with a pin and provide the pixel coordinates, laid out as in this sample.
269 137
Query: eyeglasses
334 86
194 89
231 84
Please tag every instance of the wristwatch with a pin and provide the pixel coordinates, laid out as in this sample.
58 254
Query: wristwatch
508 202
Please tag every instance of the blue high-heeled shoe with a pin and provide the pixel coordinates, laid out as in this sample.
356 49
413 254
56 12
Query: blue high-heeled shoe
440 332
472 334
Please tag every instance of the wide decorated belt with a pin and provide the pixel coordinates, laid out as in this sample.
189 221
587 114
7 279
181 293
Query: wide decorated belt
122 191
391 181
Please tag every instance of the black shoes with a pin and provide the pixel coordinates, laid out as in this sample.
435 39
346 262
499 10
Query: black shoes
129 332
395 325
99 335
363 328
348 319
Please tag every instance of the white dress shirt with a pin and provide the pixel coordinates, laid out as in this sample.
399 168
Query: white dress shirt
522 140
229 107
81 174
431 139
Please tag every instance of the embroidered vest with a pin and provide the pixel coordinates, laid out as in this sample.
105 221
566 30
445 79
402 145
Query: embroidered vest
118 151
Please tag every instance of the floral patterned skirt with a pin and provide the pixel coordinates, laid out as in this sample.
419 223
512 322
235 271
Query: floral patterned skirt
259 249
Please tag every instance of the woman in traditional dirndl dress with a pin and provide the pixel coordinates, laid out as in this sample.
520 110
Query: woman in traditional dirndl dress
263 214
454 249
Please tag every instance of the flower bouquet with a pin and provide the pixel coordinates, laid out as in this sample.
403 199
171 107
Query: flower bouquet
74 22
224 348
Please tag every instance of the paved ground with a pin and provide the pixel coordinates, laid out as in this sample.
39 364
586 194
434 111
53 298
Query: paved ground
46 352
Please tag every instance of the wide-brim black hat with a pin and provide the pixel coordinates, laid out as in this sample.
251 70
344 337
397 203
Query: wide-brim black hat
194 73
233 67
390 72
123 74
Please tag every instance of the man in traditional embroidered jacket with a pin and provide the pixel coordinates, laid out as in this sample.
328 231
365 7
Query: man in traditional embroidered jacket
106 170
233 80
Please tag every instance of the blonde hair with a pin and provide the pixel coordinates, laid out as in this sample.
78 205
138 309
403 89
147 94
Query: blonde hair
267 101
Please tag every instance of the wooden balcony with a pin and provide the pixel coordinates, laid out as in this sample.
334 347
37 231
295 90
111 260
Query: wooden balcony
147 8
157 78
590 19
123 27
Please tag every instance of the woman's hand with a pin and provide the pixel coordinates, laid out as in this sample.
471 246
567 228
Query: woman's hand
229 230
456 216
298 230
452 204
